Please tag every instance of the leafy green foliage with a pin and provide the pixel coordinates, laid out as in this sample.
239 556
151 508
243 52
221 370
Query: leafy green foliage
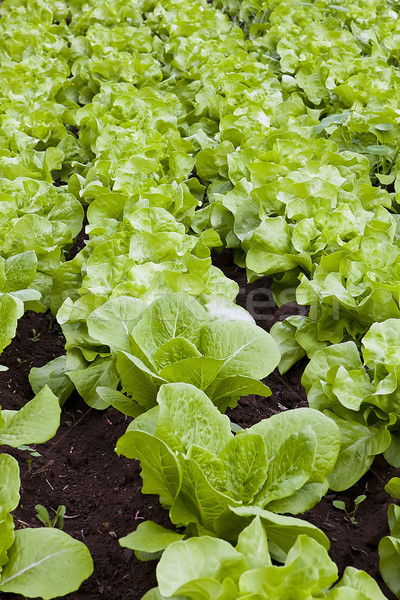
389 546
362 396
45 562
203 473
16 276
173 339
277 135
181 342
210 567
302 192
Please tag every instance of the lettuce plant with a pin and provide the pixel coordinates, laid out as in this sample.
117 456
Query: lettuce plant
145 255
296 337
361 394
212 481
356 286
389 551
38 219
209 567
36 143
220 350
176 340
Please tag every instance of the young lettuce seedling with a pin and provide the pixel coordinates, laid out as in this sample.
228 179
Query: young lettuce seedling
33 453
31 450
43 515
350 515
36 336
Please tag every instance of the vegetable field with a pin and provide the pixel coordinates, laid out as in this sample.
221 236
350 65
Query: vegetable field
200 299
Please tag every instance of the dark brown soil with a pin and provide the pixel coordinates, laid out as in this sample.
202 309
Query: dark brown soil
101 492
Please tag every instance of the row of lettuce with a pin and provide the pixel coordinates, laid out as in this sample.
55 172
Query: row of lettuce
165 118
38 225
314 203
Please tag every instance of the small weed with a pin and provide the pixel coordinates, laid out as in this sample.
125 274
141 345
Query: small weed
43 515
350 515
21 362
33 454
36 336
31 450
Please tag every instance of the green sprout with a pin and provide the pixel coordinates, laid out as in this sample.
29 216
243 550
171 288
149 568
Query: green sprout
36 336
33 454
43 515
350 515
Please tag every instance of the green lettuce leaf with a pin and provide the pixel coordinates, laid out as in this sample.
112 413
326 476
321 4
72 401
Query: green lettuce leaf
34 423
45 562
